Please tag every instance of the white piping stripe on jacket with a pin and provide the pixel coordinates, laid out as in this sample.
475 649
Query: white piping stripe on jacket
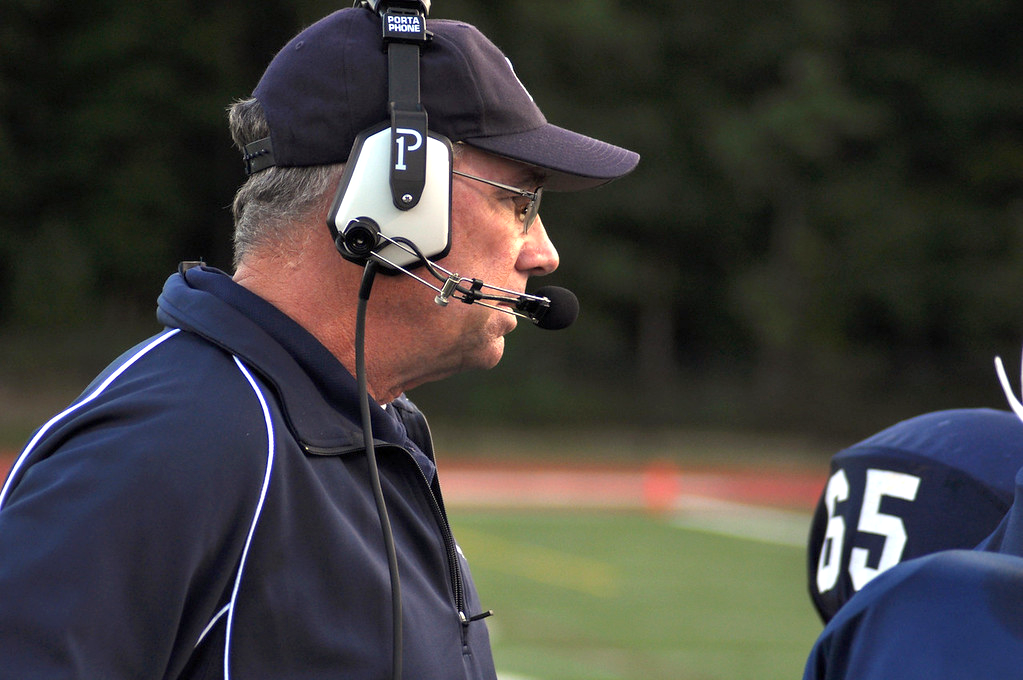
209 626
77 405
255 517
229 609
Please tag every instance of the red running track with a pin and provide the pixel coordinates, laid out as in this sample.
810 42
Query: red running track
651 486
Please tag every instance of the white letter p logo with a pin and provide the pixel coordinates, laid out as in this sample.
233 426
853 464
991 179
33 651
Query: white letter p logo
400 141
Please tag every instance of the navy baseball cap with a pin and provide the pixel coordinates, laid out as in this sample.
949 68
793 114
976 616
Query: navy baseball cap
329 83
960 466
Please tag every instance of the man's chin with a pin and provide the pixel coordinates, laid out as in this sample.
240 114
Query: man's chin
491 355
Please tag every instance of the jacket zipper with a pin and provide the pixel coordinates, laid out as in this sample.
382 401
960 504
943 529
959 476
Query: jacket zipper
454 569
454 566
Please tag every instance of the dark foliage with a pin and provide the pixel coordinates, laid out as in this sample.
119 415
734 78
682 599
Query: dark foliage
826 229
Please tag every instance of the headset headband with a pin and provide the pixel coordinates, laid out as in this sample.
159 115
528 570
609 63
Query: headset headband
403 26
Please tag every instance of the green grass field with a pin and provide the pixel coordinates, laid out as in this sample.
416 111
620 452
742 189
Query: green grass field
634 596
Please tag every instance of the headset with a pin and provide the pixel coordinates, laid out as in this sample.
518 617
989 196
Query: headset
393 234
412 221
407 225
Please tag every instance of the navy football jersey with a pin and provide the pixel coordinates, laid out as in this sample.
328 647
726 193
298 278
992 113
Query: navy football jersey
950 615
935 482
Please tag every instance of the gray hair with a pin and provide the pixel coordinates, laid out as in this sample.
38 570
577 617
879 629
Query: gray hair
268 204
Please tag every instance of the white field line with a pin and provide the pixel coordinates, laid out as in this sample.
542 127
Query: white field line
738 520
696 501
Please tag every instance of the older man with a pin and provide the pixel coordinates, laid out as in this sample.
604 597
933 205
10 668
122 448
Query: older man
207 508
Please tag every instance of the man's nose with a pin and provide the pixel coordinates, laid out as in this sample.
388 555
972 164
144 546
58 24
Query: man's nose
538 255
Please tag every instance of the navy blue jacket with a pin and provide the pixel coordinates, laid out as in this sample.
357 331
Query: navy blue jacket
204 510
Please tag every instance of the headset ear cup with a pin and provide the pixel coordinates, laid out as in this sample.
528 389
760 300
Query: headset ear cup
363 219
359 238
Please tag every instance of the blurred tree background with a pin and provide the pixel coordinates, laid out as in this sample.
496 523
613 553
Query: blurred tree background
825 234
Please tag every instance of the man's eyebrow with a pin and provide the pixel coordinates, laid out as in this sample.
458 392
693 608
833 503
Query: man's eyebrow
526 179
530 178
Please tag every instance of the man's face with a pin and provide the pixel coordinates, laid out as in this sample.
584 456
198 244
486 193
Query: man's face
488 243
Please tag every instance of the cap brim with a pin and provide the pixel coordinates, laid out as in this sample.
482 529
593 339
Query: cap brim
571 161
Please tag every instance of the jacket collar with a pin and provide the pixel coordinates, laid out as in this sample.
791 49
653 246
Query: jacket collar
318 394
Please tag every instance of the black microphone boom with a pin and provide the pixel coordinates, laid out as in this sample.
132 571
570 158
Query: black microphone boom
551 307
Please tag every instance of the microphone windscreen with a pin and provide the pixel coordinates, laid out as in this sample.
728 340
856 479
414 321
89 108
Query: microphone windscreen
563 310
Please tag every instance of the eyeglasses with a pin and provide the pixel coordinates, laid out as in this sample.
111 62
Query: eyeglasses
529 212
